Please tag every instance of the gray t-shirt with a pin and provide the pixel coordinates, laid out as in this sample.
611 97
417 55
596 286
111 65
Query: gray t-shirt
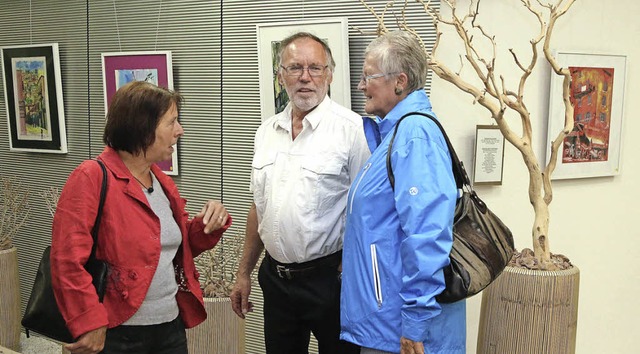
160 305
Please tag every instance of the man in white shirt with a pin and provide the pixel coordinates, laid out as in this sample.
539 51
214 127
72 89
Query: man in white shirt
305 159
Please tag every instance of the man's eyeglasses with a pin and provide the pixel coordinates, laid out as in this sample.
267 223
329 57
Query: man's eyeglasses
366 78
297 70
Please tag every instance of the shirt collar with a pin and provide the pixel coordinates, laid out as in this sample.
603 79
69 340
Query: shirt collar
312 118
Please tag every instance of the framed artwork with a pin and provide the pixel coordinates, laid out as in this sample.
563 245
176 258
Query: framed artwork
273 97
154 67
489 155
33 97
592 148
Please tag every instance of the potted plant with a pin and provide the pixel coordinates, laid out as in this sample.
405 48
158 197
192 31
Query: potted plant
540 287
14 211
223 331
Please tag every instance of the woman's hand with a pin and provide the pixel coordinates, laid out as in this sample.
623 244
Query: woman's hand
214 216
89 343
407 346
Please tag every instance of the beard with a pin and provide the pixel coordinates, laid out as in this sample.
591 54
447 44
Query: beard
306 104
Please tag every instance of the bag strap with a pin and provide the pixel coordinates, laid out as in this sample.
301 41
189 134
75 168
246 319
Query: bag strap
459 173
96 225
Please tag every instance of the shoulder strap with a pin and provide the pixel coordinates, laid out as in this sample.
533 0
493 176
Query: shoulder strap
459 173
96 225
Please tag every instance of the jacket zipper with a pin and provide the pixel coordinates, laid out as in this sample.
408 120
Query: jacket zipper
355 189
376 276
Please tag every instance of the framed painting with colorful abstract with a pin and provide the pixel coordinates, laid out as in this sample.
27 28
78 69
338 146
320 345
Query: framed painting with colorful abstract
33 97
593 147
334 31
154 67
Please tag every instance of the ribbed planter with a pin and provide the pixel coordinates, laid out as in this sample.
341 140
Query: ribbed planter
9 300
221 333
528 311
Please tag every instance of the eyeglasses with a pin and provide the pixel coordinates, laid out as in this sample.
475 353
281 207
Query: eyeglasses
366 78
297 70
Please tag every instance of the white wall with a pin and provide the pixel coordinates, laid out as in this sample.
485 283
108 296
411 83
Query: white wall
593 220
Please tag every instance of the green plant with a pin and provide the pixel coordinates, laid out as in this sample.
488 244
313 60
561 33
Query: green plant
14 210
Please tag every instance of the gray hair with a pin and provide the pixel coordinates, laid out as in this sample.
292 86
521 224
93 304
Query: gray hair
300 35
400 51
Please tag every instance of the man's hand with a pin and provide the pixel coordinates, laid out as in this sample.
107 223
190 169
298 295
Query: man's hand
240 296
89 343
407 346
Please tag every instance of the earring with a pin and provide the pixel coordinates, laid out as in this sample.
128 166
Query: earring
398 91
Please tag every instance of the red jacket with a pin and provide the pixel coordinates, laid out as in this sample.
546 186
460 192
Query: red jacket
129 240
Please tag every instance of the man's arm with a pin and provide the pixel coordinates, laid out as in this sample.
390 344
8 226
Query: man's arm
253 247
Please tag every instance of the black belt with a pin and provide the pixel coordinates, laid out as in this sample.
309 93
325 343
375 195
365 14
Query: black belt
295 270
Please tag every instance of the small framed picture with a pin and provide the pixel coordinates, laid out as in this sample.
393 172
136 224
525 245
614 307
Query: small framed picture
33 96
154 67
489 155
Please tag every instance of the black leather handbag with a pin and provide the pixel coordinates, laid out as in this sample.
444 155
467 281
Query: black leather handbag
482 244
42 314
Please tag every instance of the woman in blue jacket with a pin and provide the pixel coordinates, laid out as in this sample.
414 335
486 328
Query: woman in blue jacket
397 241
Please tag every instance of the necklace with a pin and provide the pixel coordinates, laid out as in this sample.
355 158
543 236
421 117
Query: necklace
150 188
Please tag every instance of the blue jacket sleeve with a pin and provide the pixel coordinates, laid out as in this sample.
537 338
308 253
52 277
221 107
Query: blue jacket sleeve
425 196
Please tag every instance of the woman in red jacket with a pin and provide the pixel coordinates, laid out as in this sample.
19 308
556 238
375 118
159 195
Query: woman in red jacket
145 235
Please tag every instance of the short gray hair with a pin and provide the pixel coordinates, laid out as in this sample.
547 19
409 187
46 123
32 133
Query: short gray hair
300 35
400 51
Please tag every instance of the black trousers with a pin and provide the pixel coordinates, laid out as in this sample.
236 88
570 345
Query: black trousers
304 304
164 338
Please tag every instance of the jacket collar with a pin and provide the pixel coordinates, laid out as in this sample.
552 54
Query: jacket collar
114 163
415 101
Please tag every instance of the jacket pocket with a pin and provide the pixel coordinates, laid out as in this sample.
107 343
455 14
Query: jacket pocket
364 289
375 271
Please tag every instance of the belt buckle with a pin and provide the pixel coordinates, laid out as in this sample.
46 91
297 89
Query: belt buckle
283 272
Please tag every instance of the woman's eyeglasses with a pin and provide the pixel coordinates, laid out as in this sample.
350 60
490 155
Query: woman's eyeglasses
366 78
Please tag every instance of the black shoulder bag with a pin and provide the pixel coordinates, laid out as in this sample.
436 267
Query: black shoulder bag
42 314
482 244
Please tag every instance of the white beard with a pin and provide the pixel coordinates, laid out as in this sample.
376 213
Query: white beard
306 104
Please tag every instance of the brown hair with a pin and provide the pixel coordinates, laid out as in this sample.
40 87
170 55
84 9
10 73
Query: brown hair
134 114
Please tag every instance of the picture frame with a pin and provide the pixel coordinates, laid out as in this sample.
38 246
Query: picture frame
593 147
489 155
153 66
33 97
334 31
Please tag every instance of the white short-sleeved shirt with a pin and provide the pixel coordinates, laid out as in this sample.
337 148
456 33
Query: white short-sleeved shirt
300 186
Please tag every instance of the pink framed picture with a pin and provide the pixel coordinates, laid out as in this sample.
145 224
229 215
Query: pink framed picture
121 68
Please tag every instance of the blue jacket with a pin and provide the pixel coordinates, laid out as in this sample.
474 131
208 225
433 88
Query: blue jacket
396 243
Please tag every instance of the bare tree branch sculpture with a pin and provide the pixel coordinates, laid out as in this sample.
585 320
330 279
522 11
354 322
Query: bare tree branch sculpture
493 93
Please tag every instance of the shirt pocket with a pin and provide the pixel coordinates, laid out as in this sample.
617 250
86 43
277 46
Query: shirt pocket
261 168
324 180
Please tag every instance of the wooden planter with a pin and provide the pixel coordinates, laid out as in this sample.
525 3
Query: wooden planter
221 333
528 311
9 300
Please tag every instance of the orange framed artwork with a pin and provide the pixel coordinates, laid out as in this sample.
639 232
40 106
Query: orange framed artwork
593 147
